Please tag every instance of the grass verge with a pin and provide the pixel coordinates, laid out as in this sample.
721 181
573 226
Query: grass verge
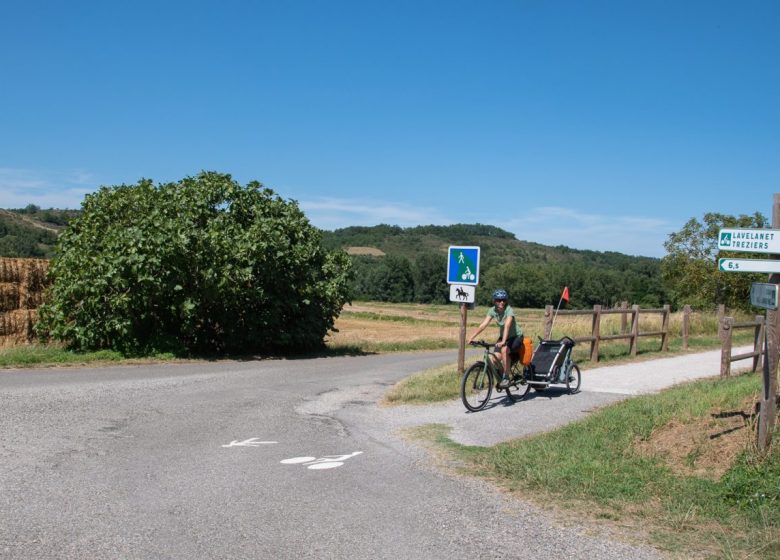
45 355
603 468
433 385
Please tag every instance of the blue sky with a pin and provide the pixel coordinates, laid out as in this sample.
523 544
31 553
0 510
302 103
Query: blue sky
599 125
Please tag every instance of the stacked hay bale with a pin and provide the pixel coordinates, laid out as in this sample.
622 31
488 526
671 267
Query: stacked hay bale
22 283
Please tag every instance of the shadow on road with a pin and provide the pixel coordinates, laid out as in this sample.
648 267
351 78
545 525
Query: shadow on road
501 399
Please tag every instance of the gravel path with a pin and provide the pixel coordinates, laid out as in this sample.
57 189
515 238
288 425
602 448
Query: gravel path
542 411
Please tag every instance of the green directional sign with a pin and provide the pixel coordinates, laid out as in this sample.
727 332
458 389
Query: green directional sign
748 265
749 240
463 266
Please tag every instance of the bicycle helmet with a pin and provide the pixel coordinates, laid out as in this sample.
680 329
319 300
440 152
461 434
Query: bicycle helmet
500 294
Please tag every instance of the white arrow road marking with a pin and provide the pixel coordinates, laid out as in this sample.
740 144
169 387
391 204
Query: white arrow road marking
327 462
251 442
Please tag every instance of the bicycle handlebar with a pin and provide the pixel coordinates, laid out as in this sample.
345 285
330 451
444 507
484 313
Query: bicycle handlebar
490 344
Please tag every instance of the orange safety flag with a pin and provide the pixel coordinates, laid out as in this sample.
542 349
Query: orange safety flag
565 294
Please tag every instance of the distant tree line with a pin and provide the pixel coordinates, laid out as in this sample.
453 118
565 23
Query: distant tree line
414 268
51 216
396 279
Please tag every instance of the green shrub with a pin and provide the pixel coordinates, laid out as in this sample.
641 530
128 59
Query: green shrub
202 265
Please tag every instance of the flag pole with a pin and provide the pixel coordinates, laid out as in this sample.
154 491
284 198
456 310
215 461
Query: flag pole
555 315
565 292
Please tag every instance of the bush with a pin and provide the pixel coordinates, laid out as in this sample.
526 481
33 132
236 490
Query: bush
202 265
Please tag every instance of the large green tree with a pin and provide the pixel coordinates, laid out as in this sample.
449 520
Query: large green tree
203 265
690 269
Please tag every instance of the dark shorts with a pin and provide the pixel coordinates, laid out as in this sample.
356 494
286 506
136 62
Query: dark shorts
514 343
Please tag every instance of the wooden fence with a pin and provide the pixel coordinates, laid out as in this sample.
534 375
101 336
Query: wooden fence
632 335
630 330
726 328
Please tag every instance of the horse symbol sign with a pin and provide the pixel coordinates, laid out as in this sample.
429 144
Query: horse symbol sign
463 266
462 294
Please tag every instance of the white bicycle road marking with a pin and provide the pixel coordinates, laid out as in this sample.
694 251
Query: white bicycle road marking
312 463
327 462
297 460
251 442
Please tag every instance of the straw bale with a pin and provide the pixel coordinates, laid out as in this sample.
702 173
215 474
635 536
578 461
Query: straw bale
22 286
9 296
17 326
17 270
29 276
36 276
10 270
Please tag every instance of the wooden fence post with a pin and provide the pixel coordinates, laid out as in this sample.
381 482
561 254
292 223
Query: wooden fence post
721 316
758 342
462 338
665 328
623 318
768 407
634 330
767 411
725 346
596 334
548 318
686 328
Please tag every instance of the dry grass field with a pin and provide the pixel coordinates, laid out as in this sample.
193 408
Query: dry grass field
382 327
371 251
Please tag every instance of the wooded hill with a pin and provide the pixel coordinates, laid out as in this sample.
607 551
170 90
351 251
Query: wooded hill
413 267
398 264
31 231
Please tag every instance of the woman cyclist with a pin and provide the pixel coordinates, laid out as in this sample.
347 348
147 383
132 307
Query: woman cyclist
510 335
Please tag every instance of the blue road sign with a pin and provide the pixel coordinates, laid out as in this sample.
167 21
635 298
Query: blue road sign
463 266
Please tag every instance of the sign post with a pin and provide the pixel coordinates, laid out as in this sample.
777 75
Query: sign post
761 295
768 410
463 277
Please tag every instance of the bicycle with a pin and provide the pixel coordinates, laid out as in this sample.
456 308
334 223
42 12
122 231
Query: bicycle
477 382
551 364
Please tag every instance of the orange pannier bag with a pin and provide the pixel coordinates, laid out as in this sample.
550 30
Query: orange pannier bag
526 350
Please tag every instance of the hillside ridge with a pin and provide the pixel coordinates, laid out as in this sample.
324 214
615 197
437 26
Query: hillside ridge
31 221
392 263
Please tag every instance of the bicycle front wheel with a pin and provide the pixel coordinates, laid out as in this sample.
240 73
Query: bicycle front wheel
574 379
476 387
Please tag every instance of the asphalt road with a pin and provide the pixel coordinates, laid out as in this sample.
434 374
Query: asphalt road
258 459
